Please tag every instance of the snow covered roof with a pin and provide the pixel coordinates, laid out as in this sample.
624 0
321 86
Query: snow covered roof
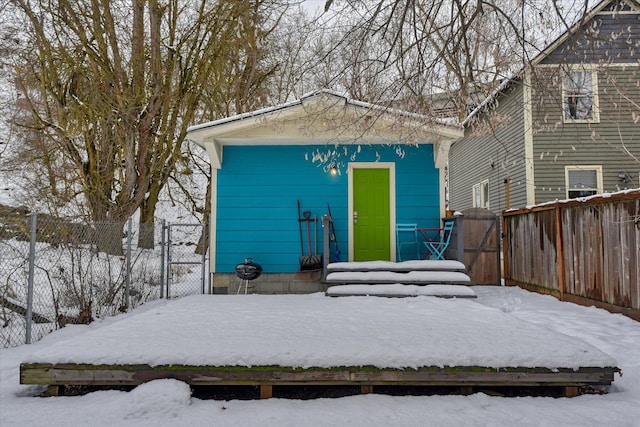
321 92
320 118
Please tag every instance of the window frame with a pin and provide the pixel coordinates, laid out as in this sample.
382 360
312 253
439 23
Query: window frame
483 188
596 168
595 105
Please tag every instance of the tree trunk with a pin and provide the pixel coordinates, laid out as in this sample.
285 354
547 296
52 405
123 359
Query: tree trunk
109 237
147 226
206 217
146 235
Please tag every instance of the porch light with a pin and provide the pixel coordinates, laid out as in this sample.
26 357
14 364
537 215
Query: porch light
333 170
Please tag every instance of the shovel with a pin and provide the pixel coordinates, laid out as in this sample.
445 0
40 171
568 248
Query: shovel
311 261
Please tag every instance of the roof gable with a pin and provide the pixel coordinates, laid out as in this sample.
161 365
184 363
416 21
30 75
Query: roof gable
593 35
321 117
561 44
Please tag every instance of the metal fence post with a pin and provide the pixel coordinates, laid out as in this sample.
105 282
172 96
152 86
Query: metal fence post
169 272
162 255
204 254
32 260
127 279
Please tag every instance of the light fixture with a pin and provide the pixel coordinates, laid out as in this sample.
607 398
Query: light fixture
333 169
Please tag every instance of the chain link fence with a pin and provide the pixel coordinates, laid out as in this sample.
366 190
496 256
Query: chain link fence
55 272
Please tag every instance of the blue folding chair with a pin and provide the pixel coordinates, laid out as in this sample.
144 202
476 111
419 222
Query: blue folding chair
407 235
436 248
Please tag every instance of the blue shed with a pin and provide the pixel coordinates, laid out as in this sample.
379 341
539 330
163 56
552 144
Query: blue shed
372 166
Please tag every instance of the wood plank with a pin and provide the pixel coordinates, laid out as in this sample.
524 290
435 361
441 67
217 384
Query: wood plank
366 389
55 390
596 240
38 318
69 374
266 392
571 391
389 295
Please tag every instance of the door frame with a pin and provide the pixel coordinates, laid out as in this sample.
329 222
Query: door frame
391 167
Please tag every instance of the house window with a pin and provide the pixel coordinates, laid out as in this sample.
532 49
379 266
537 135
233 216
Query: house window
580 96
583 181
481 194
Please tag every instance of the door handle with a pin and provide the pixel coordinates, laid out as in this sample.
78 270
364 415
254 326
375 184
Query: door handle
355 217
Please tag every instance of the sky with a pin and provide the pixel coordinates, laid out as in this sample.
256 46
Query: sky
313 7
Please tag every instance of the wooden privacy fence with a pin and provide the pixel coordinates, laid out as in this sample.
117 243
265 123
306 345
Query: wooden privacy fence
475 241
583 251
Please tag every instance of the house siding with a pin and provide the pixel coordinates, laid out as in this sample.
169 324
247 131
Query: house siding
496 137
258 188
608 38
605 143
608 44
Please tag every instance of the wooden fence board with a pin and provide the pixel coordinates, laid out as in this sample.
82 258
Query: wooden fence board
600 240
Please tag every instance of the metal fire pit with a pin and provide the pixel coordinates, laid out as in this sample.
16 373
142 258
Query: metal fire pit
246 271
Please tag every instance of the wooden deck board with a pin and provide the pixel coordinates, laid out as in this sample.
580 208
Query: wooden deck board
96 358
112 375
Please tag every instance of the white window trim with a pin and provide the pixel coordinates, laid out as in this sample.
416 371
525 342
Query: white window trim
596 168
596 102
483 203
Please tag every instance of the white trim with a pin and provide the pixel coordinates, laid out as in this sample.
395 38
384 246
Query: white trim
596 168
528 139
212 221
391 166
236 127
443 185
441 158
593 65
484 201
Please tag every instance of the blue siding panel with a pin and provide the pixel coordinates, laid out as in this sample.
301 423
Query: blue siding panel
259 186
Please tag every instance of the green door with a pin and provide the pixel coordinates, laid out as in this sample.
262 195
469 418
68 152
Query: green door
371 216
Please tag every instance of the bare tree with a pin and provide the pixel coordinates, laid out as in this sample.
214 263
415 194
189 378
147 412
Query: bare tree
454 52
109 88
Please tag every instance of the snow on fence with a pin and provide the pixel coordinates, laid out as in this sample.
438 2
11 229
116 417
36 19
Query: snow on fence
55 272
584 251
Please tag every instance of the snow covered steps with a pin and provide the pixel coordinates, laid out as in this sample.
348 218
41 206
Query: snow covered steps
401 267
402 279
398 290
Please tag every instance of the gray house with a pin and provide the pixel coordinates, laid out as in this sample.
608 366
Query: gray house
567 126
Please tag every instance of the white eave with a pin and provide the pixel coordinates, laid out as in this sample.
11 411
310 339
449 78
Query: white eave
321 117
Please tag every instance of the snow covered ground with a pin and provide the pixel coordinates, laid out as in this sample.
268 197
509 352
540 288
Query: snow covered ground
593 332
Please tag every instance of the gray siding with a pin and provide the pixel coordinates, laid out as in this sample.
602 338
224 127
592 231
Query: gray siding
609 43
612 143
492 148
608 37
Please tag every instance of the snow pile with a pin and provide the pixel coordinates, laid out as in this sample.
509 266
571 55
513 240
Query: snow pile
168 402
315 331
400 290
413 265
383 277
